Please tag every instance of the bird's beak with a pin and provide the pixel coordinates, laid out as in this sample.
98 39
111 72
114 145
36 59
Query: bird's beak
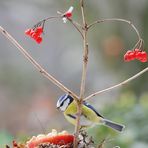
57 108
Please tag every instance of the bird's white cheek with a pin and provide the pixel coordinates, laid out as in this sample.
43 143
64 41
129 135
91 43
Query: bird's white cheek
65 105
62 108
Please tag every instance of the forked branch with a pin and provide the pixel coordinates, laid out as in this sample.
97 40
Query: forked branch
36 65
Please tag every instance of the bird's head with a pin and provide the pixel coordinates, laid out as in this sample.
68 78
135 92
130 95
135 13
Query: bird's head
64 102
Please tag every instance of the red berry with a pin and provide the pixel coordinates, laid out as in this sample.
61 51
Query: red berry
68 14
143 57
126 59
138 54
31 32
131 56
143 54
27 32
128 52
39 39
39 30
34 36
144 60
137 50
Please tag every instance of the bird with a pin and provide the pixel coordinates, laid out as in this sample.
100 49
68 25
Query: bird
89 116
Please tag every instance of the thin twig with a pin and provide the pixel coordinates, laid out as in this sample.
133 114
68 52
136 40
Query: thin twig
46 19
76 23
137 44
36 65
118 85
51 17
116 19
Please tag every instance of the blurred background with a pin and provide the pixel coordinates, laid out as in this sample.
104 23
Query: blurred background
28 100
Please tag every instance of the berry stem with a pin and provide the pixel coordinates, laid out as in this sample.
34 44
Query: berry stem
51 17
119 20
137 45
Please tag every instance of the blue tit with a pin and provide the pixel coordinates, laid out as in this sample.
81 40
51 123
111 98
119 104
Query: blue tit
89 114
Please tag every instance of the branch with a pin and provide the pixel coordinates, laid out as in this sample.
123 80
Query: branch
116 19
83 78
75 24
49 18
36 65
118 85
85 52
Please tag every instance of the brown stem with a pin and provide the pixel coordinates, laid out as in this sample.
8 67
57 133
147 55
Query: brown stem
85 53
36 65
118 85
116 19
83 79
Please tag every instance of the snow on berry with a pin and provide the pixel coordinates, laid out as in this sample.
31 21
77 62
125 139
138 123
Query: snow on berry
67 14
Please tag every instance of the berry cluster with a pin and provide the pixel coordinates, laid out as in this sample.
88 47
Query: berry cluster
136 54
35 34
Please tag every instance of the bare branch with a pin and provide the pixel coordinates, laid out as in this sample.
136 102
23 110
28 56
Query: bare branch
117 85
49 18
36 65
116 19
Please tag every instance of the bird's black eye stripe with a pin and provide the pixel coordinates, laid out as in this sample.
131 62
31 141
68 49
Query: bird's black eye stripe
64 98
62 103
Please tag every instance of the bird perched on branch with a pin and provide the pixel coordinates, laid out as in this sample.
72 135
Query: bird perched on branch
89 115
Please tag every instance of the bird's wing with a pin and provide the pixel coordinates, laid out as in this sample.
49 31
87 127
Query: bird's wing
90 113
83 120
92 108
71 118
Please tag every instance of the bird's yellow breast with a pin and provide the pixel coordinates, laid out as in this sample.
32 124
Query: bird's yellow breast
87 113
71 109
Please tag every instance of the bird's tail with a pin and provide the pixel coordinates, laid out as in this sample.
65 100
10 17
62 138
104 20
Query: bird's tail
113 125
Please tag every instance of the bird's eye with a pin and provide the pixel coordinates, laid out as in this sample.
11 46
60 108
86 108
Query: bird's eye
62 104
